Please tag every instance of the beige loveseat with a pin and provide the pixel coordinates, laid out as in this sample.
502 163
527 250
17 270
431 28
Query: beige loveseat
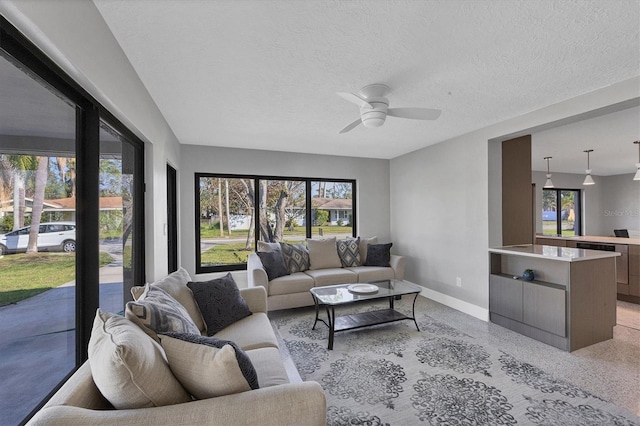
292 291
278 401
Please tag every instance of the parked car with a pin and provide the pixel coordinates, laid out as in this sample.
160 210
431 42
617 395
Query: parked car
51 237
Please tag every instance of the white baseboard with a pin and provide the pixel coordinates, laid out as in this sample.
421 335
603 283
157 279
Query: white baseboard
457 304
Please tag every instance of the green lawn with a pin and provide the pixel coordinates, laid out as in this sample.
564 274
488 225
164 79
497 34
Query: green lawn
213 231
26 275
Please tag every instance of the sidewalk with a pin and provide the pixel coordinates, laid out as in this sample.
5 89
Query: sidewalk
27 372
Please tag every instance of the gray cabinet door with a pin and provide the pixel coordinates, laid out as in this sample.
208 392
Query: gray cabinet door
505 297
545 308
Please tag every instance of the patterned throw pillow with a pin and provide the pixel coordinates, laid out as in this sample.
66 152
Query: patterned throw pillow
265 246
378 255
349 252
220 302
273 264
296 257
157 312
207 366
127 366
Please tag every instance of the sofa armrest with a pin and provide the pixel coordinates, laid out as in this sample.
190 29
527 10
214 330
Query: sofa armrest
256 298
256 274
397 264
290 404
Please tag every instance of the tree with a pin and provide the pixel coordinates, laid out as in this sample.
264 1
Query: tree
38 203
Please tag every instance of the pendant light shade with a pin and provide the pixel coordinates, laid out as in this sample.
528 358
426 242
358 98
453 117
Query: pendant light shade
588 180
548 183
637 176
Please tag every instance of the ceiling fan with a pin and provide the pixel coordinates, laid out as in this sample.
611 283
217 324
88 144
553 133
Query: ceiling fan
374 108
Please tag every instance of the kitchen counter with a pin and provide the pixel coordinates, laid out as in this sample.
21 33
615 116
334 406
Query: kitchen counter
595 239
564 254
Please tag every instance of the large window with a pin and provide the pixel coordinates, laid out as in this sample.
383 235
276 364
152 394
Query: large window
561 212
234 212
70 218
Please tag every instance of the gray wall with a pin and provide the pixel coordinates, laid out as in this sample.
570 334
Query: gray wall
372 190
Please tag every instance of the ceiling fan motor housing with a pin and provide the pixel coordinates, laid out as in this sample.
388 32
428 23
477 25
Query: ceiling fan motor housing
374 117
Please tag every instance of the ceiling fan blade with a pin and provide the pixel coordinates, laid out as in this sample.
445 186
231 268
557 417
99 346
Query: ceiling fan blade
351 97
351 126
415 113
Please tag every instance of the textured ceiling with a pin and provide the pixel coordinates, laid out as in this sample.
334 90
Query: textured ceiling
264 74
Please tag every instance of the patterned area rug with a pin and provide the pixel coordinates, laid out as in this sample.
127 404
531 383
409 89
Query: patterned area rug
396 375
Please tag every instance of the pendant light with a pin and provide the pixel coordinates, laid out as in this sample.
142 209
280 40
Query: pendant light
637 176
548 183
588 180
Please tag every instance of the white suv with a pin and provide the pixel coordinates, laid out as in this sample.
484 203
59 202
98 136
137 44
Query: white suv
51 236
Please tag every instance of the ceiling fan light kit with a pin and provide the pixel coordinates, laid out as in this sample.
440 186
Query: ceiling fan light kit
374 108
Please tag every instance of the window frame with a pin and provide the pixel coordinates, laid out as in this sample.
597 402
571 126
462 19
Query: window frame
15 47
577 207
200 269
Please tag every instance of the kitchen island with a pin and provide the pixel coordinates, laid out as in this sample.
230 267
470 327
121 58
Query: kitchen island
571 302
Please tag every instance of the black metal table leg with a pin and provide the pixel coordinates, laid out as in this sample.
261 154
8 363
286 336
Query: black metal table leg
414 311
317 309
332 326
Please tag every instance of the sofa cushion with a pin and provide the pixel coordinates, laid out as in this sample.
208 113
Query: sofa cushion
251 332
294 283
207 366
156 312
296 257
332 276
220 302
176 285
364 244
323 253
378 255
273 263
128 367
269 366
349 252
373 273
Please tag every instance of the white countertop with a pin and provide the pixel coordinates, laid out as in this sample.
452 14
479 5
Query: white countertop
564 254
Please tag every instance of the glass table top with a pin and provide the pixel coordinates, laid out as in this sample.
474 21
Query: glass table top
340 294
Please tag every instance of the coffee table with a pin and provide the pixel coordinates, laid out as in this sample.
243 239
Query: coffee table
337 295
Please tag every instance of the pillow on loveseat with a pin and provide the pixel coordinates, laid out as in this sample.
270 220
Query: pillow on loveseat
323 253
157 312
208 367
349 252
220 302
128 367
176 285
378 255
296 257
273 263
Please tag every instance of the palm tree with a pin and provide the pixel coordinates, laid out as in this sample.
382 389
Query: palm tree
38 203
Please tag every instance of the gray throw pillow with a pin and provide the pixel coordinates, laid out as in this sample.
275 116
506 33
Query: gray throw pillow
378 255
349 252
220 302
206 372
273 263
296 257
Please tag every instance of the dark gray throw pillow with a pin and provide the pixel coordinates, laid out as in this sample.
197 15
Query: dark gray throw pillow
220 302
273 263
244 362
378 255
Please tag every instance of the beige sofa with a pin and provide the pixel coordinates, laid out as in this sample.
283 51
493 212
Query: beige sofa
278 401
292 291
